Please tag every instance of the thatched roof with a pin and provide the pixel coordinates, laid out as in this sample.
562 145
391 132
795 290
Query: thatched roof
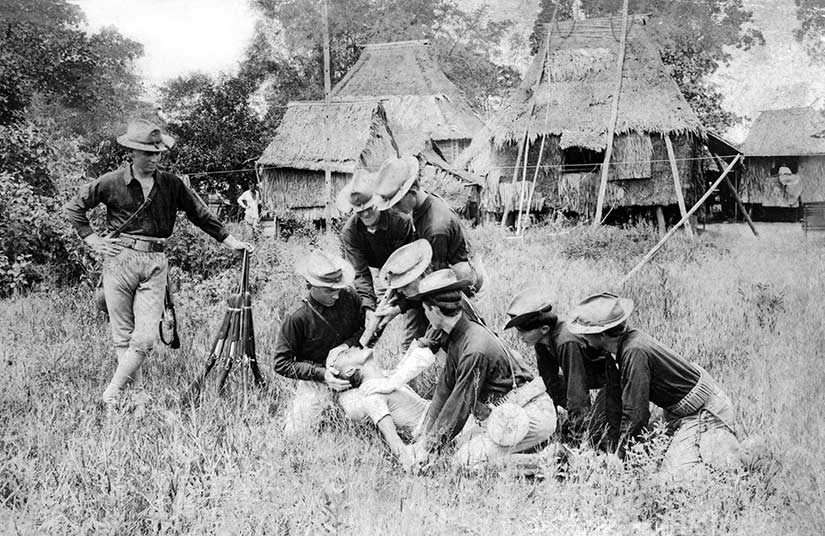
787 132
578 78
313 135
421 102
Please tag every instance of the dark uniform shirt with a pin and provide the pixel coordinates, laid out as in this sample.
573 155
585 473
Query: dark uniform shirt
305 339
478 371
581 367
364 248
643 371
436 222
122 195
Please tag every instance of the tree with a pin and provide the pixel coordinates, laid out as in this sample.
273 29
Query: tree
216 128
811 31
692 37
464 41
85 79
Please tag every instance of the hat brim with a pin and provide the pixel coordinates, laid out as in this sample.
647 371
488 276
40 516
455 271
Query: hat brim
347 275
461 284
582 329
386 204
410 275
345 206
167 143
523 318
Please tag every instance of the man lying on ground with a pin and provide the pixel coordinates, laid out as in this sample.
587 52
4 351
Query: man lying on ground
512 410
400 409
558 350
330 315
641 370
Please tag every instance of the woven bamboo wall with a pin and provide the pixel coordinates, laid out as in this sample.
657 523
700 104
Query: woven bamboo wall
760 187
297 191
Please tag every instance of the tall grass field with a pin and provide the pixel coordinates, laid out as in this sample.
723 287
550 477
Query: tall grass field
750 310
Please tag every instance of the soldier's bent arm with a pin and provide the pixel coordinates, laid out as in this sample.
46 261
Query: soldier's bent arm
635 381
197 212
89 196
285 361
572 356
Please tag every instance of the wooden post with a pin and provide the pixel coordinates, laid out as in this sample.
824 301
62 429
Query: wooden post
660 221
327 90
614 114
739 203
523 183
677 183
649 255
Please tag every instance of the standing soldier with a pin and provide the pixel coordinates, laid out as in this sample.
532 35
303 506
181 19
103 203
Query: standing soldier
557 349
141 204
642 370
399 188
330 315
370 236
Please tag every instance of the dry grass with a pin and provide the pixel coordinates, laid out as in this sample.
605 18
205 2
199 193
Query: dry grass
749 310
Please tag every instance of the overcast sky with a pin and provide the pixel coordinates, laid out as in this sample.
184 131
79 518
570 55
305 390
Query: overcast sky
180 36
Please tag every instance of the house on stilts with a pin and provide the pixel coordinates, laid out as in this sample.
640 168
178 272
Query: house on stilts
785 163
423 106
559 118
344 135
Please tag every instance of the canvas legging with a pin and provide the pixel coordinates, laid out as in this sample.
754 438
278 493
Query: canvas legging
134 283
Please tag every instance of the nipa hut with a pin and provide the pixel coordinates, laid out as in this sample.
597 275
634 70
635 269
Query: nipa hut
423 105
793 139
563 107
345 135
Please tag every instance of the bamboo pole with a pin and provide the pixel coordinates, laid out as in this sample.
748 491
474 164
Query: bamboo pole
739 202
614 114
522 192
677 184
327 90
649 255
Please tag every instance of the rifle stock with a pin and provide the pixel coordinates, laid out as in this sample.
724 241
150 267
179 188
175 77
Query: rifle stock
371 332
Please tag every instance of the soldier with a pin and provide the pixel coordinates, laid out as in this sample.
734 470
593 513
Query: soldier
512 410
330 315
141 204
641 370
398 188
369 235
557 349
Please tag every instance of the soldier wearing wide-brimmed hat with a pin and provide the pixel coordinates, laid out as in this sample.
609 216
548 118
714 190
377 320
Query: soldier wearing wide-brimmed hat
330 315
569 367
135 266
402 272
369 236
398 188
481 377
641 370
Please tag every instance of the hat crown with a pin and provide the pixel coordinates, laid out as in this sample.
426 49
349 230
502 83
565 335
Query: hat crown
531 300
322 269
408 262
319 265
437 280
394 173
599 310
143 131
362 187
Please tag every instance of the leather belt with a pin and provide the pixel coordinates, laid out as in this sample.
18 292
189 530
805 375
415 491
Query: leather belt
137 244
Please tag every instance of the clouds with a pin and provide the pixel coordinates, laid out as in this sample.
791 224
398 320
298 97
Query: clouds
179 36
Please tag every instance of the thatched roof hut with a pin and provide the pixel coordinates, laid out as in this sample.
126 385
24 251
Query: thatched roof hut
566 98
422 104
793 138
346 135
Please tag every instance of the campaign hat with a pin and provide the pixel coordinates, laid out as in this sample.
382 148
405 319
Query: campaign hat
598 313
395 178
146 136
322 269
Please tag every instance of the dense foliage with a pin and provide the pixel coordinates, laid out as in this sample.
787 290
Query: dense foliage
694 38
811 31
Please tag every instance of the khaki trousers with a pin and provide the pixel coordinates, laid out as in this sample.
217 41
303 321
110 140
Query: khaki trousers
134 283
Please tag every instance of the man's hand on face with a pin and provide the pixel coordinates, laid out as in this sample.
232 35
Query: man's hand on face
104 246
334 382
233 243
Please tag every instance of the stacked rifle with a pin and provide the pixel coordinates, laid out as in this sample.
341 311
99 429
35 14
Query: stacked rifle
234 342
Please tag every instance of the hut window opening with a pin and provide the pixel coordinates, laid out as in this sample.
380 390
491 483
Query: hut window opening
582 160
791 162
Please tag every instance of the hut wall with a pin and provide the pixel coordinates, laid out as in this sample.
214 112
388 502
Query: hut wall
760 187
298 192
578 192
